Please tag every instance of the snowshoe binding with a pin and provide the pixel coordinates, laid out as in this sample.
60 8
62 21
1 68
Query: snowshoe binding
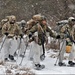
39 67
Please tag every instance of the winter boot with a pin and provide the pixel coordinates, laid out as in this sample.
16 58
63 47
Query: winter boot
71 63
21 55
6 59
15 54
11 58
39 67
61 64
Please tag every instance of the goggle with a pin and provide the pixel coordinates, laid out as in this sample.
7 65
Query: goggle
73 19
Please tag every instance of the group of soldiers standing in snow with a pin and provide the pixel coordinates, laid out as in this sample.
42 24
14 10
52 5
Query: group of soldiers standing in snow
18 35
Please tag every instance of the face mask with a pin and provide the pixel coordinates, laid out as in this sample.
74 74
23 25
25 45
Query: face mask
12 22
23 24
73 20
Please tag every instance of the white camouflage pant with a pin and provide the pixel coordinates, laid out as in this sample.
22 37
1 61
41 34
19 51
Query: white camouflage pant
63 49
9 47
33 46
22 43
36 53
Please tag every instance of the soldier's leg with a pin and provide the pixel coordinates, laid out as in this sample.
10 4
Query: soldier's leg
36 58
13 48
71 56
6 49
31 53
22 48
61 52
41 50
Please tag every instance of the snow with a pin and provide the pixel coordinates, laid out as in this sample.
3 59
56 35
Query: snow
49 62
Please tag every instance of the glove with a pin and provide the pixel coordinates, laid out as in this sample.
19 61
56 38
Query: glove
30 35
6 34
21 35
33 38
58 37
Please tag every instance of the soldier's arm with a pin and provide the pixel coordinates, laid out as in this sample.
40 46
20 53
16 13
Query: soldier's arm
32 30
52 33
5 29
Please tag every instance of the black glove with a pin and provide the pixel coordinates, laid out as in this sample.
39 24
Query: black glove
6 34
21 35
58 37
33 38
30 35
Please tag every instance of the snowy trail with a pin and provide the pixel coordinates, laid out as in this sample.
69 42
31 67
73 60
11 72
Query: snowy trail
49 66
48 62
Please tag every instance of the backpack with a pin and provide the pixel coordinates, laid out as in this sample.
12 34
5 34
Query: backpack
30 24
60 24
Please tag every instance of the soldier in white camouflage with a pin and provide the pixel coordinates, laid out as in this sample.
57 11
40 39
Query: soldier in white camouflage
11 31
22 42
67 32
39 30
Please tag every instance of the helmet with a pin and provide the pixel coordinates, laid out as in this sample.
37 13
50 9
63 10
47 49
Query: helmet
7 17
12 17
23 21
43 18
71 19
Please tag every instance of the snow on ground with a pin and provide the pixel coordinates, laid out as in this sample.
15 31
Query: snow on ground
49 62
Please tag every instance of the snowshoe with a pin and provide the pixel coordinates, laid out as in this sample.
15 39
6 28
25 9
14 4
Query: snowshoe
42 57
71 63
11 58
21 55
6 59
39 67
61 64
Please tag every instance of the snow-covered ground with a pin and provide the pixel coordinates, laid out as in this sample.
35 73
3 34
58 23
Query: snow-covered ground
48 62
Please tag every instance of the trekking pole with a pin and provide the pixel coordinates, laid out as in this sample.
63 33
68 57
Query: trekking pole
42 57
24 54
19 44
17 48
3 44
58 54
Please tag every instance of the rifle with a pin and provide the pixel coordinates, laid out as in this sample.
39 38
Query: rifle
42 57
68 35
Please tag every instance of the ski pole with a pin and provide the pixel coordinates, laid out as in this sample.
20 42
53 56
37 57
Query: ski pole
17 47
42 57
3 44
24 54
59 54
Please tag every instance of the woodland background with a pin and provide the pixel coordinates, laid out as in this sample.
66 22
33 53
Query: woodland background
54 10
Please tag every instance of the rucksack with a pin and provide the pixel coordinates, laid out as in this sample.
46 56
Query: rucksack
30 24
60 24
